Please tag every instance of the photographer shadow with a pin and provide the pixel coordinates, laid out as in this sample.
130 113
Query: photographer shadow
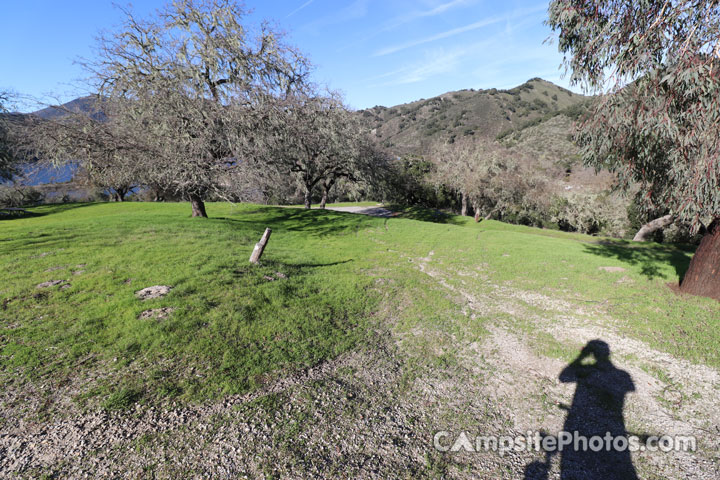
596 410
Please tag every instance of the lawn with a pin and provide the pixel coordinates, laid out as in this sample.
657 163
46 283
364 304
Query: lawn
326 282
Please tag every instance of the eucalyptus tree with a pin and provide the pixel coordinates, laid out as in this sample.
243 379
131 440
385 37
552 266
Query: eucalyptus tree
658 125
198 82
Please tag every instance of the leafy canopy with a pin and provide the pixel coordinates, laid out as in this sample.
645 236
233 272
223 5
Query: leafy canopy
658 125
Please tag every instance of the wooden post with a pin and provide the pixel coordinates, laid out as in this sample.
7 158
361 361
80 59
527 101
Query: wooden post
260 246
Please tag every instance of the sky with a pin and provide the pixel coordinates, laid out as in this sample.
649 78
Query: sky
377 52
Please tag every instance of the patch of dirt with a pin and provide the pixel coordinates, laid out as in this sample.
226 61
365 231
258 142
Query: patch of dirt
157 313
157 291
372 211
612 269
50 283
671 396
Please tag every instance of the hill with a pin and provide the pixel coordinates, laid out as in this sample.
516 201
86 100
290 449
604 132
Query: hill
410 127
79 105
535 120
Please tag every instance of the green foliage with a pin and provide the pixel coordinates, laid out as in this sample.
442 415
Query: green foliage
658 126
122 399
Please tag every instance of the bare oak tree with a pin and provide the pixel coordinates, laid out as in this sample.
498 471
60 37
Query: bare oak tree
109 152
469 166
316 139
8 155
197 80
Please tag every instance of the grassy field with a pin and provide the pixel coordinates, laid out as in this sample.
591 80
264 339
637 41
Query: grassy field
237 326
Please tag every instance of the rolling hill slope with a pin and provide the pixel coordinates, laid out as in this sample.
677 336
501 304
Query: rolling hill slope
409 128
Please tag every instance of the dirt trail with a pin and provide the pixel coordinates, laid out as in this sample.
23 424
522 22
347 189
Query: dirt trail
377 211
671 396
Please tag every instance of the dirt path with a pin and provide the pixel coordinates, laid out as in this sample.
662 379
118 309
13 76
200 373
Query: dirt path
669 396
378 211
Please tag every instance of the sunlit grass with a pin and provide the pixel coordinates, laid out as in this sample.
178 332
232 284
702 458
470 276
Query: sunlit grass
236 325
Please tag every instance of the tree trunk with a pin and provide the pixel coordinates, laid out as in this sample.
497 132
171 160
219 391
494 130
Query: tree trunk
652 227
703 275
327 186
198 206
120 194
463 204
308 198
323 200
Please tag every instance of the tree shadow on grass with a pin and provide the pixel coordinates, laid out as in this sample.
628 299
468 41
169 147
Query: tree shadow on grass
268 270
650 257
312 222
425 215
40 211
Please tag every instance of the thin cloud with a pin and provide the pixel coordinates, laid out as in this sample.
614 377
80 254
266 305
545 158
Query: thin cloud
356 10
299 8
405 19
436 62
457 31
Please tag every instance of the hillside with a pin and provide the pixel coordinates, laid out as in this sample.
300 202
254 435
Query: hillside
535 118
535 121
79 105
410 127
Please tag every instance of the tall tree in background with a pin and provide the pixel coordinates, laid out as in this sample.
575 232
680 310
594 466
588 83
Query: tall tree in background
8 157
658 125
197 80
317 140
469 166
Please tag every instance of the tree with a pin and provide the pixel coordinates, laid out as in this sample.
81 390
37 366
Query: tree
109 151
8 156
198 82
317 140
468 166
658 125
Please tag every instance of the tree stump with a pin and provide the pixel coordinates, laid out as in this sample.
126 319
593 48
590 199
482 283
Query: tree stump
260 246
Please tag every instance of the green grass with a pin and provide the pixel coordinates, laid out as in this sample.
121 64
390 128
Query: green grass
233 329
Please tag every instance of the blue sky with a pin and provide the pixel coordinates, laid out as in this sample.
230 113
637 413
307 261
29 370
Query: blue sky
378 52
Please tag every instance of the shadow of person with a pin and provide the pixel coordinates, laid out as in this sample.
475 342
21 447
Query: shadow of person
597 411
